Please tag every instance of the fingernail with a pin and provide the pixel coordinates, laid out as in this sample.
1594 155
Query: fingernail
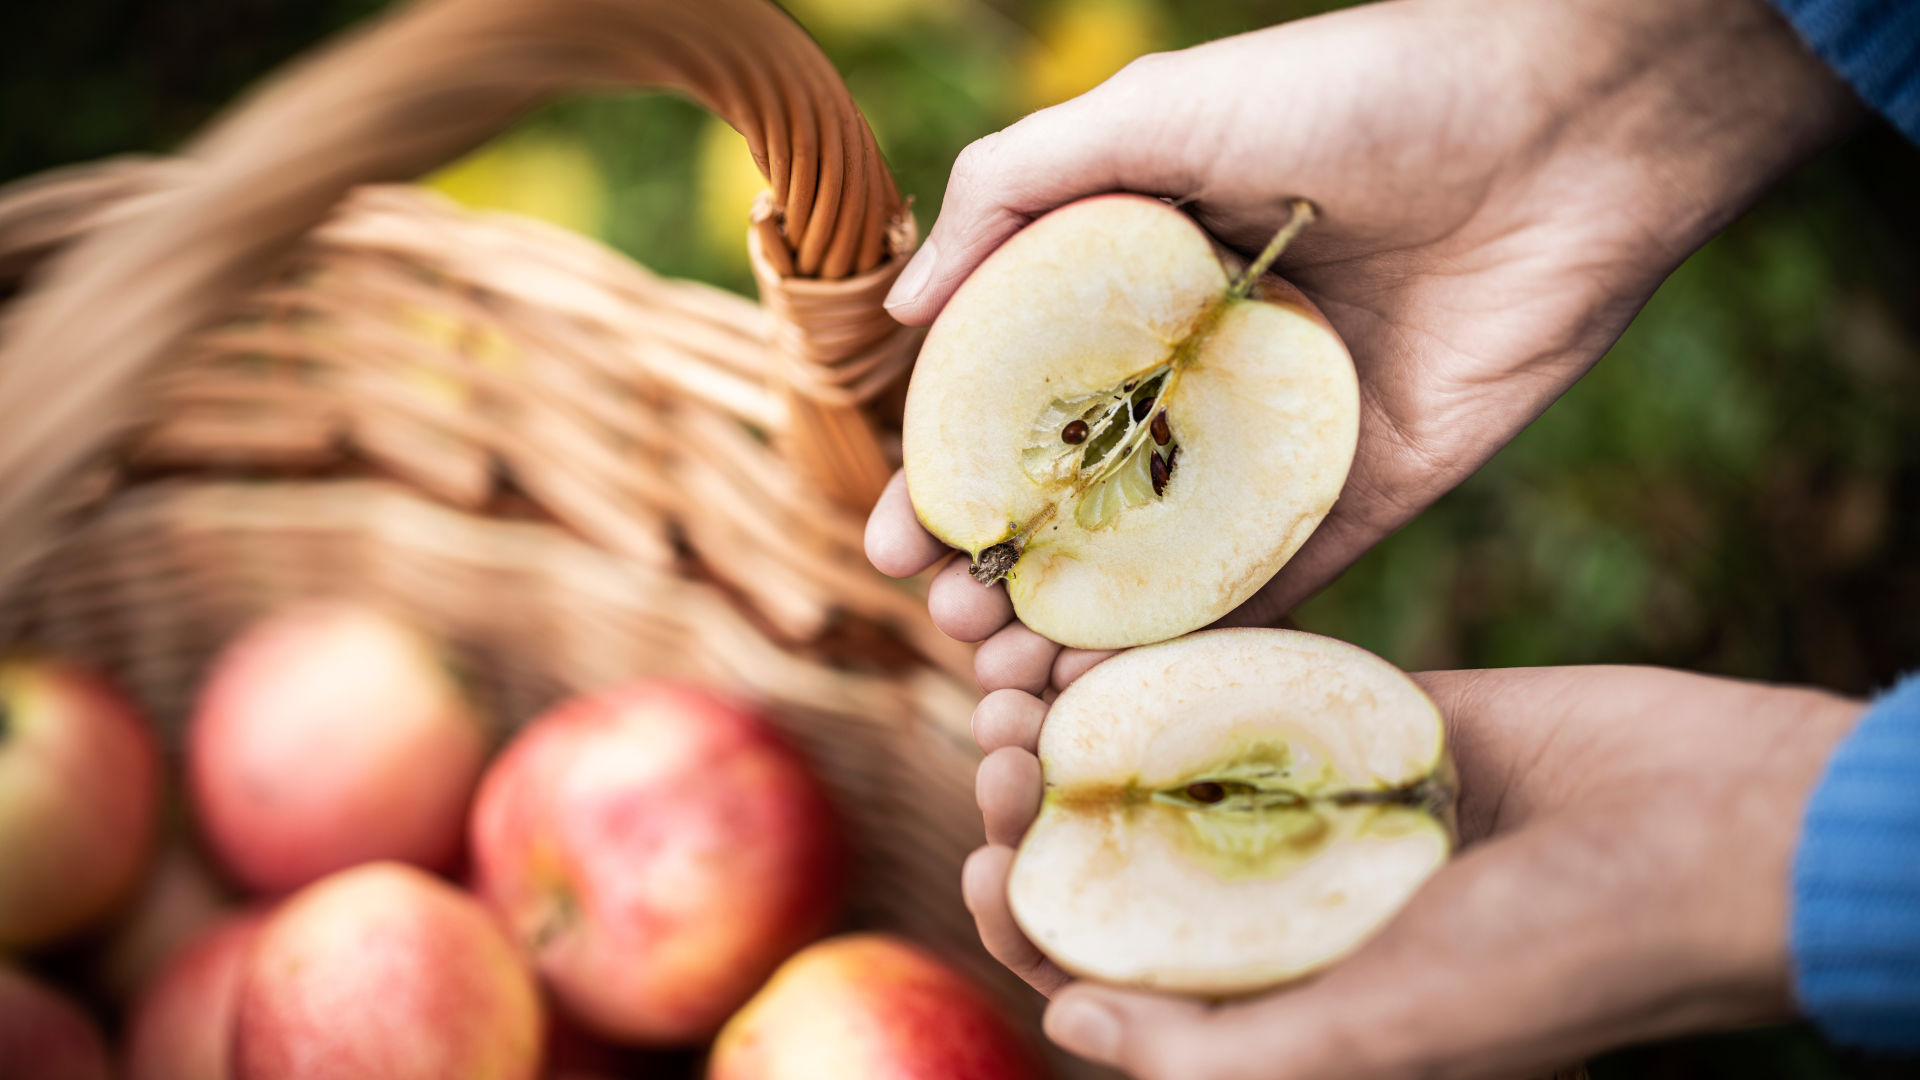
1085 1028
913 279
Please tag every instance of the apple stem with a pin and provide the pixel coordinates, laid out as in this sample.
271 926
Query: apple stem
1301 216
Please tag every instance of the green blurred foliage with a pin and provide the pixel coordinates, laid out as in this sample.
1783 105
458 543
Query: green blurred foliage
1734 489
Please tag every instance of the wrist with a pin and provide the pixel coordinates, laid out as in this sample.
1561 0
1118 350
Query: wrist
1689 109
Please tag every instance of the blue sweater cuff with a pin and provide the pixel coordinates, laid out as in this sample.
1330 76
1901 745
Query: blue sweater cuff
1873 44
1855 932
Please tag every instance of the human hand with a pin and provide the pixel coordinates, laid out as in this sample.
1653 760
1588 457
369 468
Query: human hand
1501 186
1627 841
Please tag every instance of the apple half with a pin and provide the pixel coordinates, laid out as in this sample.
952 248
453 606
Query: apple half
1230 811
1117 418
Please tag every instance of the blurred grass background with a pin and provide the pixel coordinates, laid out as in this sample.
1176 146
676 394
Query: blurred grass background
1736 488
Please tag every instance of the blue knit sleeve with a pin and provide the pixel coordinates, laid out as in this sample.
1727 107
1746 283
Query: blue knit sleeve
1856 883
1873 44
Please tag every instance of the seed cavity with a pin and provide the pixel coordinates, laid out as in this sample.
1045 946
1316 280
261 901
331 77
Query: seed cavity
1102 446
1206 791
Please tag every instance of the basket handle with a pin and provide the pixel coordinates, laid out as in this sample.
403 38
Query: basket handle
417 89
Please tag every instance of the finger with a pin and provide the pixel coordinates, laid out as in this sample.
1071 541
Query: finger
1015 658
1102 141
983 884
1008 717
897 544
964 609
1007 787
1140 1034
1073 663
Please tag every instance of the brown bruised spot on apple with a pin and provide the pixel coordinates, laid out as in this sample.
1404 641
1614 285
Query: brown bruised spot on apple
1230 811
1128 426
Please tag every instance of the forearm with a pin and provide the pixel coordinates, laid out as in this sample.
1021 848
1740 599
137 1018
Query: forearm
1689 109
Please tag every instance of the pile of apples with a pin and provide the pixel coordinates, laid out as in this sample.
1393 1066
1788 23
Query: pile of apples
647 867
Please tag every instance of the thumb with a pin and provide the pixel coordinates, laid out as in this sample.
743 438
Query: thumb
1104 140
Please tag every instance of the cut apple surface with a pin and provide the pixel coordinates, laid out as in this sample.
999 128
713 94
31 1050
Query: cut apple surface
1135 438
1230 811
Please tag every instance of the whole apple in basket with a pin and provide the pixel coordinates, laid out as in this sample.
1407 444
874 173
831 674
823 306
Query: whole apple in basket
79 799
181 1026
43 1036
658 850
328 736
871 1005
385 973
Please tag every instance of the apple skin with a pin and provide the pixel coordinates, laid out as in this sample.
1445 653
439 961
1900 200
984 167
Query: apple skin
181 1027
180 898
383 972
43 1036
79 800
871 1005
658 851
329 736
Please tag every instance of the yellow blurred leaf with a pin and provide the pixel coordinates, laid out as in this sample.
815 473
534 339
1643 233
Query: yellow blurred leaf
864 18
1080 43
441 332
729 182
551 177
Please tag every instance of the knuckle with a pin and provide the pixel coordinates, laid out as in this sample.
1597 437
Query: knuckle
975 161
1146 67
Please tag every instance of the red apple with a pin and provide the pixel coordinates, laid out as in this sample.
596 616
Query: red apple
659 851
329 736
871 1005
79 799
385 973
43 1036
573 1051
181 1027
179 899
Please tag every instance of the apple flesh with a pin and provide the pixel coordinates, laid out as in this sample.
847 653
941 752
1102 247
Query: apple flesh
1132 436
330 736
658 851
79 800
870 1005
385 973
181 1027
43 1036
1229 811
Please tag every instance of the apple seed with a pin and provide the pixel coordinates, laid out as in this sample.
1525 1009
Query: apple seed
1074 433
1206 791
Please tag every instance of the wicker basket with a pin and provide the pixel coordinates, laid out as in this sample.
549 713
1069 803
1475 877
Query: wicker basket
252 374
